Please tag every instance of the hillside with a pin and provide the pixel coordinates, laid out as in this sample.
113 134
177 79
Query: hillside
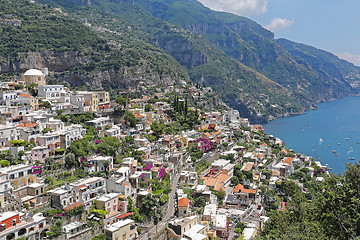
36 36
316 75
253 94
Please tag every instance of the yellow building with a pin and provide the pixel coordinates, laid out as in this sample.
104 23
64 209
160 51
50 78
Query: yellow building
125 229
34 76
103 100
92 99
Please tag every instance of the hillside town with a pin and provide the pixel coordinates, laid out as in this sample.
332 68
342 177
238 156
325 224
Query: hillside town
147 164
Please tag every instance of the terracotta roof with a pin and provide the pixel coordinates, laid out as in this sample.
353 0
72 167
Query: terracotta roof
25 95
288 160
184 202
218 185
73 206
217 133
125 215
210 182
248 167
207 134
28 125
276 173
224 177
244 190
136 100
260 155
238 188
138 115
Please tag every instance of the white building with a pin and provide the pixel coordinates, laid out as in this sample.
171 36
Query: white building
51 92
97 164
99 122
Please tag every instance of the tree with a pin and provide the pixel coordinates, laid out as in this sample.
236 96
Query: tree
157 128
69 160
147 204
121 101
267 173
163 199
200 202
148 107
21 154
150 137
55 230
4 163
235 180
47 105
46 130
49 161
130 119
19 86
220 194
80 173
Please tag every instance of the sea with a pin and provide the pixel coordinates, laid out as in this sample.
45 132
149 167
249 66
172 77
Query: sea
330 134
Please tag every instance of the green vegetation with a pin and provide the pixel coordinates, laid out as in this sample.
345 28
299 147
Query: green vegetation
202 166
282 61
99 237
327 211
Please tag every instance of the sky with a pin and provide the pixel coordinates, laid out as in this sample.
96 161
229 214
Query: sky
331 25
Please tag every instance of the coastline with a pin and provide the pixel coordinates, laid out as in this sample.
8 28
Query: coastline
334 122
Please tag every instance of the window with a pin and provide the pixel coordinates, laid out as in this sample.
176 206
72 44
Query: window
12 176
21 174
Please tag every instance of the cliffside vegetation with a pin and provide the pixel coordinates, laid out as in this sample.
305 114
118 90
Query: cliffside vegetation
252 93
120 44
36 35
328 210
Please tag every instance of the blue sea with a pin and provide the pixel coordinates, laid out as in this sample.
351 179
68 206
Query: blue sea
335 126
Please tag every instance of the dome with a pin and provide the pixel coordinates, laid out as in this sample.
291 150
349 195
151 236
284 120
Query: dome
33 72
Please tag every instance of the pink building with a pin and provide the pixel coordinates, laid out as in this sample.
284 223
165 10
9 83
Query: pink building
111 203
39 154
49 140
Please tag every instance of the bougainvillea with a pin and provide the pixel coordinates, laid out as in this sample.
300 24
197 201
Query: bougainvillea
204 144
37 170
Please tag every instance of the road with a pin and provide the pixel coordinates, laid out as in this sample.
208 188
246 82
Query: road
170 210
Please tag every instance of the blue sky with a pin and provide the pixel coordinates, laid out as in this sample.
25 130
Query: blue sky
331 25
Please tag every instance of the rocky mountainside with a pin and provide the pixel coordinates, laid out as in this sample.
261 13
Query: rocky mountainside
316 75
125 43
243 88
37 36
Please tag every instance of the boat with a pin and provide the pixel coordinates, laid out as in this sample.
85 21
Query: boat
357 143
339 143
329 146
335 152
314 151
347 138
351 158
